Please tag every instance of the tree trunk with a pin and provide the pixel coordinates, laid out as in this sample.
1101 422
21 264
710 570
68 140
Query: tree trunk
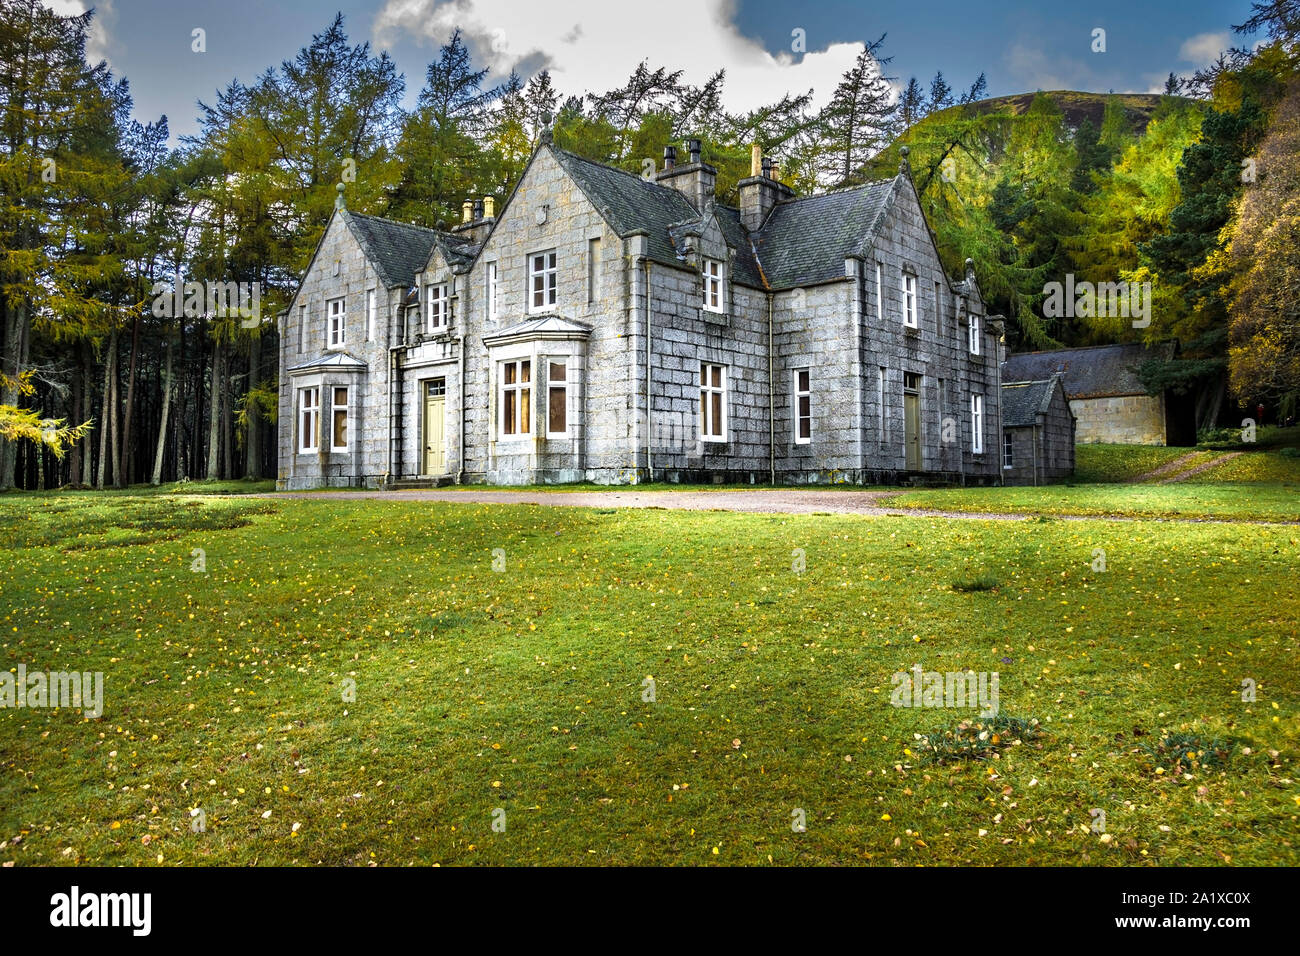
124 466
87 396
227 424
162 425
253 446
214 415
13 361
101 471
114 438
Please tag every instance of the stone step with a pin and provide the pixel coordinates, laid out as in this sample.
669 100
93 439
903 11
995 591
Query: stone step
439 481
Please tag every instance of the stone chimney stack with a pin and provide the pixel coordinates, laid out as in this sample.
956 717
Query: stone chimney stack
695 180
477 218
761 191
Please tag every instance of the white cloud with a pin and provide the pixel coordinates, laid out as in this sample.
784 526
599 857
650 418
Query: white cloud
100 39
602 54
1204 48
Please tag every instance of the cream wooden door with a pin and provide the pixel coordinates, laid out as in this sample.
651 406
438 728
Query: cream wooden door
912 420
435 427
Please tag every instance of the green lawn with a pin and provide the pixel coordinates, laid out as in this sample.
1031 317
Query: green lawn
523 690
1116 463
1217 501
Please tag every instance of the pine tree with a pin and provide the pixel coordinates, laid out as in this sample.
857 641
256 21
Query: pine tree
859 120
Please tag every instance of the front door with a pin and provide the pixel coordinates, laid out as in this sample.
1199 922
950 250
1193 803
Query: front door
912 420
435 427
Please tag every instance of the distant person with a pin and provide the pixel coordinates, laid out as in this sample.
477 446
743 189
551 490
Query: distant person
1259 414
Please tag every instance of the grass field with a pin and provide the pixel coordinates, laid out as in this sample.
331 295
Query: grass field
518 695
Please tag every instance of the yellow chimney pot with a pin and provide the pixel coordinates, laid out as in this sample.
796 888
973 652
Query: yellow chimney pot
756 160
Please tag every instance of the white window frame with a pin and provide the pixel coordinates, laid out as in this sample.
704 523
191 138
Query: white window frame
707 429
1008 450
974 333
715 285
310 412
549 290
346 409
552 387
336 322
370 314
798 417
880 292
977 423
439 293
593 270
492 291
909 301
519 389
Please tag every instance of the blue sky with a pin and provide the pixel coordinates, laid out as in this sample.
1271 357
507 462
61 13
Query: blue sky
593 44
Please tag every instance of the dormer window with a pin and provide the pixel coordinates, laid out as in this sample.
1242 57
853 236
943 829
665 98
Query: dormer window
541 281
439 307
336 312
974 335
715 274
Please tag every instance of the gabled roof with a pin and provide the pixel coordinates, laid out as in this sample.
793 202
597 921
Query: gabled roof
1023 402
1102 371
629 203
806 240
397 250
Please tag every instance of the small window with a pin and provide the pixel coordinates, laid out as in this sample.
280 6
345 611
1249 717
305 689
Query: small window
593 270
802 406
880 292
302 327
370 315
557 399
977 424
909 301
541 280
338 325
713 402
339 420
491 291
880 400
938 307
516 397
439 307
714 277
912 383
974 335
1008 450
308 419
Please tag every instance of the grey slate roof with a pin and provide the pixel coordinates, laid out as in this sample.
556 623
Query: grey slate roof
803 241
1102 371
630 203
1023 402
806 240
397 249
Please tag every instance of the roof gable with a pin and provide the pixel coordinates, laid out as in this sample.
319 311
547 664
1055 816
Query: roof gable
805 241
396 249
1023 402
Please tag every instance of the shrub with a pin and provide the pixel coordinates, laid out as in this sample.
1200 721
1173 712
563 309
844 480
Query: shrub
978 739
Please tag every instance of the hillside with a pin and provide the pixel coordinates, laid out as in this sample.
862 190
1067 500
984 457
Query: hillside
1039 185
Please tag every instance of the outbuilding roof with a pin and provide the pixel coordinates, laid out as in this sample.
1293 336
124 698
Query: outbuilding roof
1101 371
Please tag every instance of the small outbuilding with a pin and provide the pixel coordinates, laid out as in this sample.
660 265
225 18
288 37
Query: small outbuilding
1037 432
1106 394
